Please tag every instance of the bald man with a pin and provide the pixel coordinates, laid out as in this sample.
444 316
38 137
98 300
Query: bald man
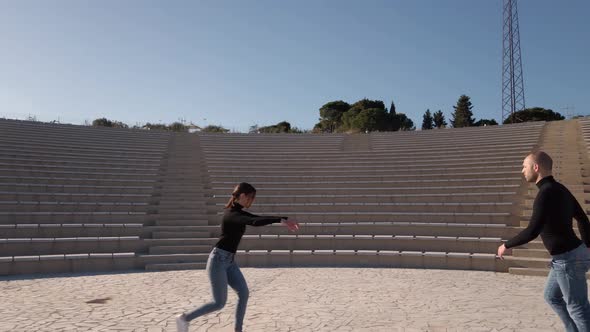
553 210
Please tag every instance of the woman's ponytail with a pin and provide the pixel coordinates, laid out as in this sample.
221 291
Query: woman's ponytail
242 188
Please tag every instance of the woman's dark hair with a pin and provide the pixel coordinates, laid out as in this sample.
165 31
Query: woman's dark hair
242 188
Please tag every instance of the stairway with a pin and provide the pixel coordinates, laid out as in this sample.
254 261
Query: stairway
180 238
563 141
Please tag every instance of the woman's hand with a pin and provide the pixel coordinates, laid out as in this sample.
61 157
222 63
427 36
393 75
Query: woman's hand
291 224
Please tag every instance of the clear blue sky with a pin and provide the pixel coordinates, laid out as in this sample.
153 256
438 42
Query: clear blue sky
239 63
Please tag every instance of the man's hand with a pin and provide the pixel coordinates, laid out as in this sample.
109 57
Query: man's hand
501 250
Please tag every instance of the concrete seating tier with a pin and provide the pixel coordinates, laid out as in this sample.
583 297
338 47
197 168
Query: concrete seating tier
85 144
128 199
70 245
504 196
372 258
462 136
13 154
362 160
83 152
66 129
12 217
102 186
72 263
413 199
71 230
29 162
76 198
71 197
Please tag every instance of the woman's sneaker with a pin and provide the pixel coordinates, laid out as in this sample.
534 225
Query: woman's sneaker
181 323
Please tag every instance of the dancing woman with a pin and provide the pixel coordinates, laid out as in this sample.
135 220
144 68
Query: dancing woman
221 266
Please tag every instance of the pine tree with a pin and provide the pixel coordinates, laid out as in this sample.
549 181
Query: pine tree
439 119
427 120
392 108
462 116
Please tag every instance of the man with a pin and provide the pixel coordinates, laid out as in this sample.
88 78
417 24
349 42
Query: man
553 209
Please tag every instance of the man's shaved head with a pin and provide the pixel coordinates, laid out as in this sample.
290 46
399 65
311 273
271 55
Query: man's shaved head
542 159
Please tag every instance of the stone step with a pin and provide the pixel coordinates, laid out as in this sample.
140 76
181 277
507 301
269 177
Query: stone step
187 222
402 228
533 272
194 249
377 208
167 211
182 216
175 266
205 241
533 245
371 258
369 198
527 262
369 242
528 271
179 235
331 190
532 253
173 258
391 216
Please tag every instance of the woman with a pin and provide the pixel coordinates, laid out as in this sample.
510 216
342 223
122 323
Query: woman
221 267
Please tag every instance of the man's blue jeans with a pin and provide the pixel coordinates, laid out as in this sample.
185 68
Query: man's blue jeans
567 291
223 271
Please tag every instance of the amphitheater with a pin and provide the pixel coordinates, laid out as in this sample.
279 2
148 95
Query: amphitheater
93 201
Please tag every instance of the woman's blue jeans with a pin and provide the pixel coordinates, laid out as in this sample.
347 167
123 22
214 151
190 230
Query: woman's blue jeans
223 271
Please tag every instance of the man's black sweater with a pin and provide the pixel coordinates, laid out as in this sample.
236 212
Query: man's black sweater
233 226
553 210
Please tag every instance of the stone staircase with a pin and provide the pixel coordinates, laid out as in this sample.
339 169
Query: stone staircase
564 142
180 237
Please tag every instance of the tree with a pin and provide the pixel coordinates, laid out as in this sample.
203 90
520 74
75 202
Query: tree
365 104
439 119
371 119
392 108
284 127
348 117
281 127
427 120
155 126
178 127
297 130
375 119
215 129
331 115
104 122
393 119
365 115
317 129
405 122
534 114
463 116
485 122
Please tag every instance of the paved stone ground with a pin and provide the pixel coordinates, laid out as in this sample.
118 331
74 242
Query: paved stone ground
300 299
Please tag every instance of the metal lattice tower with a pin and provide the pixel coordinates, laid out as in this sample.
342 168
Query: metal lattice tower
512 79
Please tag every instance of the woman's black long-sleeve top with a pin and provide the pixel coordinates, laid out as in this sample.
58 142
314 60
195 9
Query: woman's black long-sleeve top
233 226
